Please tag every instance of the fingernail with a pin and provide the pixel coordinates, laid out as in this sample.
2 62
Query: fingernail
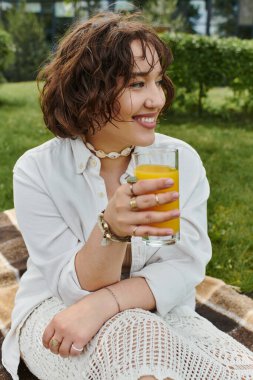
168 182
170 232
175 195
175 213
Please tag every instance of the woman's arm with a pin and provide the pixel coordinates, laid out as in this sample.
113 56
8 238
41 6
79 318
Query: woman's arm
172 272
98 266
131 293
79 323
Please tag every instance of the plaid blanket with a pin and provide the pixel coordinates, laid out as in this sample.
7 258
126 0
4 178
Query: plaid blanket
223 305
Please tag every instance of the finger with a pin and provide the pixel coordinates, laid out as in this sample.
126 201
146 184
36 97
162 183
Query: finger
55 344
150 217
149 185
152 200
65 347
47 335
143 231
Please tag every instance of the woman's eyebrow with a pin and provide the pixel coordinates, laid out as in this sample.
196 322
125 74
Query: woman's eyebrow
143 73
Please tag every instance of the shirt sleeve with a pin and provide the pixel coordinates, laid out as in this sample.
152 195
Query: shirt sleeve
174 271
51 244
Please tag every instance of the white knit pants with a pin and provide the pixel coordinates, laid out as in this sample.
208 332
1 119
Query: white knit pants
134 343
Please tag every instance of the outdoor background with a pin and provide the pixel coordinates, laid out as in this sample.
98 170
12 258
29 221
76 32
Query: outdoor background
213 111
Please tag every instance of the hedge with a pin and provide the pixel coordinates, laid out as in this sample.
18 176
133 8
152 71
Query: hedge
6 52
202 62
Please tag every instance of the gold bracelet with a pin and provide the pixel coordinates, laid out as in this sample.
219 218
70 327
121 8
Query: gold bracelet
108 235
112 293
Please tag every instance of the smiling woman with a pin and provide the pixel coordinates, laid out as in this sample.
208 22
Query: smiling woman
96 302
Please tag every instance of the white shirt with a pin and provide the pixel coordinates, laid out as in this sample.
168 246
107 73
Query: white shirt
58 194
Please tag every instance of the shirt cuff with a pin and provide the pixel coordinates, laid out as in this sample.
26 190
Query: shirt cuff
168 287
69 288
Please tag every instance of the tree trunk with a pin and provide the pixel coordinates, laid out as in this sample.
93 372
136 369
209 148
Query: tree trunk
201 95
208 16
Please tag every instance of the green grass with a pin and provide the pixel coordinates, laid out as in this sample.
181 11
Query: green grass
21 127
224 146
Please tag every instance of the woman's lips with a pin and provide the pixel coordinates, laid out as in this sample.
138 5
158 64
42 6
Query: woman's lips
146 121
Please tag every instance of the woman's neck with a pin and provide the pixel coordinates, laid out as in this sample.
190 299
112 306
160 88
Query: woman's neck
108 165
114 167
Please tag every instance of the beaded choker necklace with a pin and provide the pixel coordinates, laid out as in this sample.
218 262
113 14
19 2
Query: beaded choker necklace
113 155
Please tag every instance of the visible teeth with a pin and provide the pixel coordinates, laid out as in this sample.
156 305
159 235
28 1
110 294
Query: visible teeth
147 119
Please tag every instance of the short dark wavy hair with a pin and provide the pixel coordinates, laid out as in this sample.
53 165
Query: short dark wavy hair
81 83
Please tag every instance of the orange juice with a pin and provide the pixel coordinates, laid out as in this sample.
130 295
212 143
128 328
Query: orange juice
162 171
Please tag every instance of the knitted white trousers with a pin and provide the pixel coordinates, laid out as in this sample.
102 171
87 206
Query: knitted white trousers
134 343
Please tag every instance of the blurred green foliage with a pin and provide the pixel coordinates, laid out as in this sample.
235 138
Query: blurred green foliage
30 45
202 62
6 52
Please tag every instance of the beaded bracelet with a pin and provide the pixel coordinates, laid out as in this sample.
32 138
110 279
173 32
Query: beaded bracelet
108 235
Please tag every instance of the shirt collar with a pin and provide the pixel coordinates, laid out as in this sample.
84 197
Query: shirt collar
81 154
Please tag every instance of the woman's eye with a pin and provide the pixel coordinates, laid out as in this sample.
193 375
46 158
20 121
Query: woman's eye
160 82
137 85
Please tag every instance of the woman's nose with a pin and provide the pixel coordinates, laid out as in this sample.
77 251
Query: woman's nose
155 98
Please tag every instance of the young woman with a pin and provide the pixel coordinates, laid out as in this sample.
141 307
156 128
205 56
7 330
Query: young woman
124 310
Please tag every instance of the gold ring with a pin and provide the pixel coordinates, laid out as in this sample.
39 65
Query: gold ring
157 199
134 230
133 204
54 343
131 180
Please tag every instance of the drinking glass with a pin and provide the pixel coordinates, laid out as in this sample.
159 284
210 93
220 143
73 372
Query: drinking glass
160 162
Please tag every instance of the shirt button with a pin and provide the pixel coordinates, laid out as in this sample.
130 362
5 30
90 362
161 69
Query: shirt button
101 194
81 166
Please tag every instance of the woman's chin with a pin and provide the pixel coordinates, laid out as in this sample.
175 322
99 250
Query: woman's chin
146 141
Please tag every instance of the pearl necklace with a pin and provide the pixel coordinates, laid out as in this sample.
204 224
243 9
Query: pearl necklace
113 155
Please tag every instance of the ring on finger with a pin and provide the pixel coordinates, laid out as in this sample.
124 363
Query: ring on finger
133 203
157 199
131 189
132 180
54 343
76 348
134 230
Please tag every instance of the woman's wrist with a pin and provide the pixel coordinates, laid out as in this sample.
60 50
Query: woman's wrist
114 296
108 234
106 303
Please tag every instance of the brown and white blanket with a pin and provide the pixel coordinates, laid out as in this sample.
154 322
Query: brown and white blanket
223 305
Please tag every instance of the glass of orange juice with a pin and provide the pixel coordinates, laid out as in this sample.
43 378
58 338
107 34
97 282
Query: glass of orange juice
160 161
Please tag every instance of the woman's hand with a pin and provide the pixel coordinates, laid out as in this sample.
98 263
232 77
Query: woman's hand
71 329
125 220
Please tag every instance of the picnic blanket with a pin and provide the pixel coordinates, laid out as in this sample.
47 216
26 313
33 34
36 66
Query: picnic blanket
223 305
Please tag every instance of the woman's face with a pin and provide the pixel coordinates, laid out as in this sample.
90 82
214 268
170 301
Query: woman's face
140 104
